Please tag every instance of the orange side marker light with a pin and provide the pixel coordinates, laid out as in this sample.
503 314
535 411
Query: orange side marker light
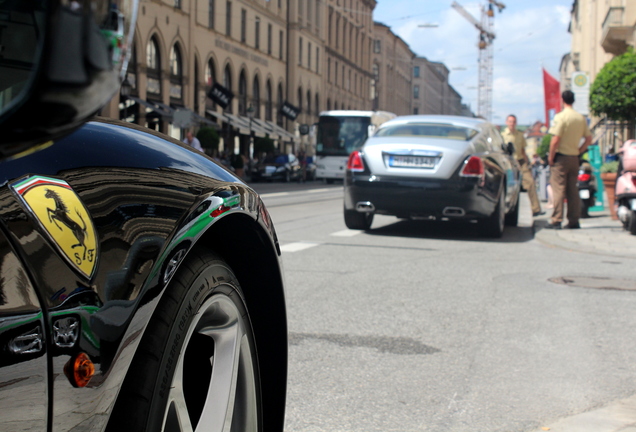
79 370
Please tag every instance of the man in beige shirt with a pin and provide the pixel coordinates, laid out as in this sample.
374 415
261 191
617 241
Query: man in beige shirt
514 136
568 127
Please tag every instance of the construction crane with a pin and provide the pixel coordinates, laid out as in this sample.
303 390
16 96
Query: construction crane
486 38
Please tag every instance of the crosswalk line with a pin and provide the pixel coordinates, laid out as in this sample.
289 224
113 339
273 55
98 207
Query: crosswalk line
297 246
345 233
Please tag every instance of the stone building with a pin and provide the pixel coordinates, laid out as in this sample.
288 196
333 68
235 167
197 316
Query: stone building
601 30
392 65
183 47
432 93
347 64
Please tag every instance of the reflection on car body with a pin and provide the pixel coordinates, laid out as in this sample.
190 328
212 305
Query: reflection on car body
152 201
282 168
434 167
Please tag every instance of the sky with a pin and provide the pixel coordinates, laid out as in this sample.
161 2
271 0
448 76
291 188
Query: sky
530 35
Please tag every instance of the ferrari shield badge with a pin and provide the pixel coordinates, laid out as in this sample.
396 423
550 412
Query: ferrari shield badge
64 218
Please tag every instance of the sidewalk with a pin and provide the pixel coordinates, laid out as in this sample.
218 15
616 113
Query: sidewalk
603 236
599 234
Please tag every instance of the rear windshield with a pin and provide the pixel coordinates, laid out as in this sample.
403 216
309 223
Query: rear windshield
429 130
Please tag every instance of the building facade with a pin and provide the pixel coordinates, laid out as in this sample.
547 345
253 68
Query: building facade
183 47
391 68
432 93
313 55
347 60
601 30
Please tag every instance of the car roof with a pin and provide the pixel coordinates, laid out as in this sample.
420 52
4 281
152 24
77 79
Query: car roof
469 122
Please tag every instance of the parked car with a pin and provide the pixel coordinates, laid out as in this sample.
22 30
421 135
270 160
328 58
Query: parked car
138 277
434 167
141 283
277 168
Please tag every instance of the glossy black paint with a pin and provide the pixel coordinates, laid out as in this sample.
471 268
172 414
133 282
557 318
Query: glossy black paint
148 197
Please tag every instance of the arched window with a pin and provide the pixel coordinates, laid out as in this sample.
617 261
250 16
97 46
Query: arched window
242 90
279 116
300 99
308 102
176 73
256 98
317 103
268 101
210 79
196 85
227 83
153 65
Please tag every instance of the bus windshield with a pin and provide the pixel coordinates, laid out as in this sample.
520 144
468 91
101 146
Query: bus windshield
340 135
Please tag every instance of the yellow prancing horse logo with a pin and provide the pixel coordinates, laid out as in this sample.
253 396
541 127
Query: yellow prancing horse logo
51 200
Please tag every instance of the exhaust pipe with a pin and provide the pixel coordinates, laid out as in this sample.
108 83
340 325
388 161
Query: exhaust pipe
365 207
453 212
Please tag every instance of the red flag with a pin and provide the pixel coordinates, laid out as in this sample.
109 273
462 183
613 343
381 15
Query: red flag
552 93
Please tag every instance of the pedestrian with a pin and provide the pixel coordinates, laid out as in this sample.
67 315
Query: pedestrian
514 136
568 127
192 141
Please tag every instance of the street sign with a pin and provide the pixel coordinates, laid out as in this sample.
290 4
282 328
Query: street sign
289 110
220 95
581 90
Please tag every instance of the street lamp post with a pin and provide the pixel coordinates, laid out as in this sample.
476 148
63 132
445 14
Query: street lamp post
250 115
126 88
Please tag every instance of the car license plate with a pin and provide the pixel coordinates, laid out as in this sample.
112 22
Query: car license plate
584 193
412 162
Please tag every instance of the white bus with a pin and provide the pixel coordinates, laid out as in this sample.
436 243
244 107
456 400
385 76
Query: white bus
340 133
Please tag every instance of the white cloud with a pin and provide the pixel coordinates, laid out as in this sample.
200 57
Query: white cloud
530 35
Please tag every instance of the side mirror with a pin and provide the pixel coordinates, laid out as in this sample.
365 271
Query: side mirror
61 62
510 149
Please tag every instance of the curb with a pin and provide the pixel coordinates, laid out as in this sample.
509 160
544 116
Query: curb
598 235
619 416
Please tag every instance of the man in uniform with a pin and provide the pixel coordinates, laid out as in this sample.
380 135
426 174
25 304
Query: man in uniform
516 138
568 127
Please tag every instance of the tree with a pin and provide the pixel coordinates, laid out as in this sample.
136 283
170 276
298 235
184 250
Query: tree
209 139
263 145
613 92
544 147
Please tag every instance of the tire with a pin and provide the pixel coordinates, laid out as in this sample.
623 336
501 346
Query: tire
358 221
512 218
493 225
329 181
196 363
632 223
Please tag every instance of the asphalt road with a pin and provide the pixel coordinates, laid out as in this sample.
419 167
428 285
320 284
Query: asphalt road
419 326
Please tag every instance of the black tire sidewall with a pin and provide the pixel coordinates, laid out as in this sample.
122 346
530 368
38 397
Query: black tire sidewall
211 279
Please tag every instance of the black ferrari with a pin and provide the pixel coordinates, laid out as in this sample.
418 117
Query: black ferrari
140 289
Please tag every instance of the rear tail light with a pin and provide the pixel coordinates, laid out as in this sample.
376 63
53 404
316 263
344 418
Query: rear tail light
355 163
584 177
473 167
634 180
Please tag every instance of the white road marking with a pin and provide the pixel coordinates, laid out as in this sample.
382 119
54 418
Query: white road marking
319 190
298 246
345 233
274 194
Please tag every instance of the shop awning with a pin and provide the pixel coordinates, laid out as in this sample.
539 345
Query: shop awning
166 114
282 133
241 123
